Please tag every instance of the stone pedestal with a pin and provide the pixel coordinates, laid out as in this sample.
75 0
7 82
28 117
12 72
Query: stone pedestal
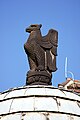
38 78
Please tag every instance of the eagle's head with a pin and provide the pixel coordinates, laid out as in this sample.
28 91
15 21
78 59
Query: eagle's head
33 27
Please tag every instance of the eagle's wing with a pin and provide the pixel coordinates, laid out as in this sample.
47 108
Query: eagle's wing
53 36
50 41
53 39
51 55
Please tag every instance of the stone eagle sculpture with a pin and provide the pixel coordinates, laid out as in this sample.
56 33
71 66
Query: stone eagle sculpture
41 50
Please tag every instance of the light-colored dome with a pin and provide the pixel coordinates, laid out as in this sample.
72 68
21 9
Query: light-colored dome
39 102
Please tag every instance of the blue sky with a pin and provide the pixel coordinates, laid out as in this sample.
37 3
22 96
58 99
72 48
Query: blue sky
16 15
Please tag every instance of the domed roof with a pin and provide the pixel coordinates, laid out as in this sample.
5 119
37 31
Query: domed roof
39 102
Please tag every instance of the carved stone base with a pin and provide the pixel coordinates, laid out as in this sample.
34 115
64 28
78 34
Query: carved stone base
38 78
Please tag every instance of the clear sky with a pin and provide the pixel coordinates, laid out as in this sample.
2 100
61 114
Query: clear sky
16 15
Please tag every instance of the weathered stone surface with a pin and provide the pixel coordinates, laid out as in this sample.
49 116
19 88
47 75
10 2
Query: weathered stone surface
41 52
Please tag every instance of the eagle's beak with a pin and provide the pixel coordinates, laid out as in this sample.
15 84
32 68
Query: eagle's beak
28 30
